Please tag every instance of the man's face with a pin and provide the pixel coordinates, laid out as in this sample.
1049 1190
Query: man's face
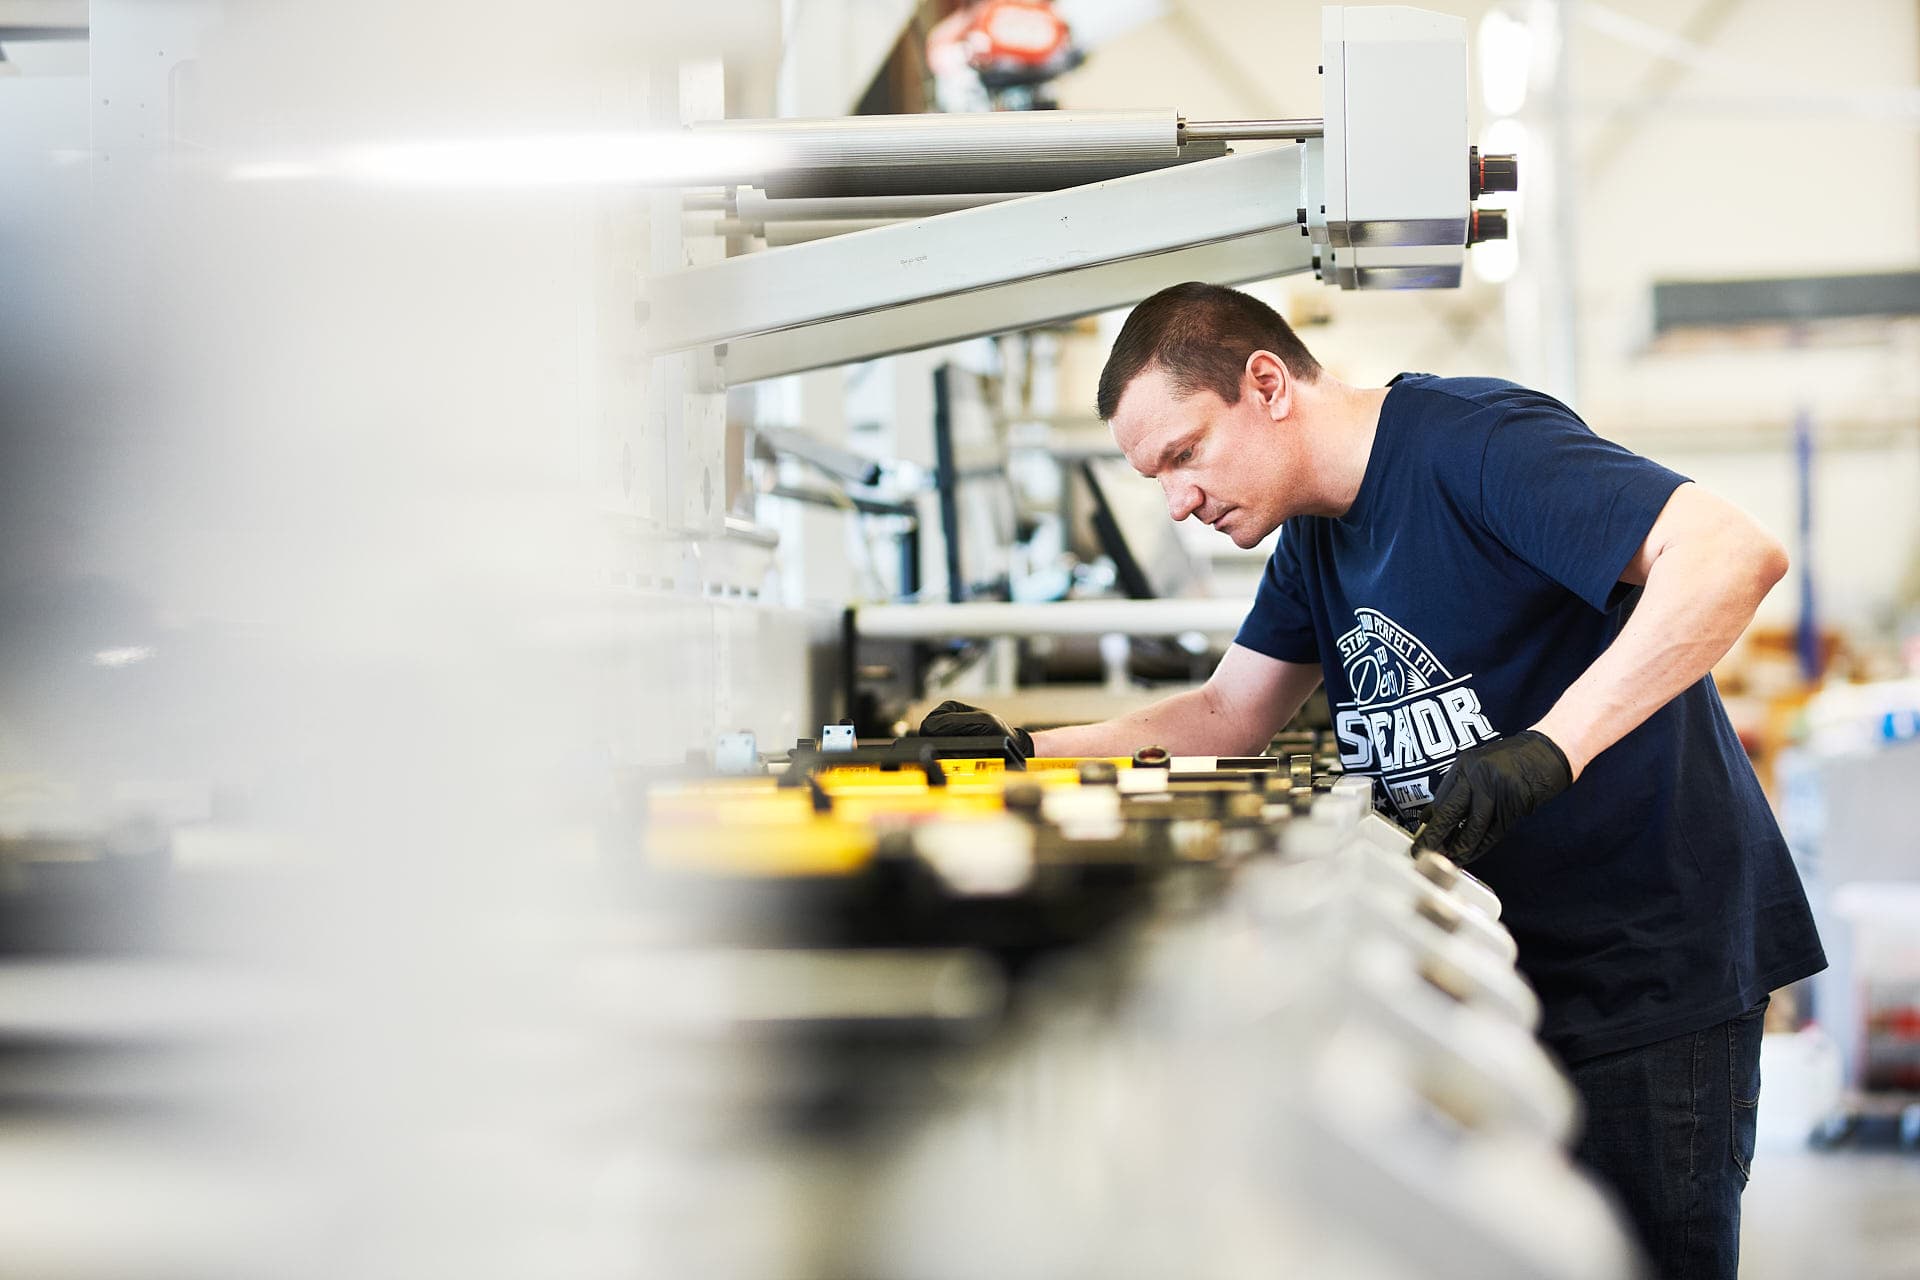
1229 465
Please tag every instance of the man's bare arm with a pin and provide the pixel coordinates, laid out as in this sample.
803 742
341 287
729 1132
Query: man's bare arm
1706 565
1236 712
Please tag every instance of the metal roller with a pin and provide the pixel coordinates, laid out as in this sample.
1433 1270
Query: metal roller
801 231
755 206
1248 130
1058 618
1000 151
796 231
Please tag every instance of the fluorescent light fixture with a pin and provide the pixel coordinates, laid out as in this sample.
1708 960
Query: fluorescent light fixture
125 656
1506 61
657 159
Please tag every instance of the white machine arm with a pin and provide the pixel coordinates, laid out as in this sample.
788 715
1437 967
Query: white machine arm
1377 194
1001 266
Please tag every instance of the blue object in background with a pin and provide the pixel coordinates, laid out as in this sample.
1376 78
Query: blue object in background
1807 635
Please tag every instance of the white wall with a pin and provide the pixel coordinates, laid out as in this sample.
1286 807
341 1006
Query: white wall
1866 542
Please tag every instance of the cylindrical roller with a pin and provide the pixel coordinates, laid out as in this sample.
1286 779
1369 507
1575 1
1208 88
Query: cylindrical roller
1249 130
755 206
995 151
1061 618
784 233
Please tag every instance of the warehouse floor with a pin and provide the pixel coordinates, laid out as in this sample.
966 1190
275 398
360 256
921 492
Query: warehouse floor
1846 1213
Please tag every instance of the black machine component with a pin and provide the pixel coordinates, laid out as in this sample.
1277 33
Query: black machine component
902 753
1486 224
1491 173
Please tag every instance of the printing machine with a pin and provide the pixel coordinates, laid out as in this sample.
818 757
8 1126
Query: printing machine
1120 1016
1128 1016
972 1014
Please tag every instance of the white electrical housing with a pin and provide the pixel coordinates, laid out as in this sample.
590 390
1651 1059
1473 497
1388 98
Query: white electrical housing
1394 95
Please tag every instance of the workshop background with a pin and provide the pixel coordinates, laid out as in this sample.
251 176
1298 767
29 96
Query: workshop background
367 563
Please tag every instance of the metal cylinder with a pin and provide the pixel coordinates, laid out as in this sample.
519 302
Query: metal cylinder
756 206
998 151
1063 618
778 234
1249 130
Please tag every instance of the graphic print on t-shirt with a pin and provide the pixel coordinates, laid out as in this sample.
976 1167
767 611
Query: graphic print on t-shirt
1407 716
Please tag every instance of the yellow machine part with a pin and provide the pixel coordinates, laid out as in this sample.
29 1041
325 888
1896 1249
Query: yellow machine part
979 767
752 827
749 827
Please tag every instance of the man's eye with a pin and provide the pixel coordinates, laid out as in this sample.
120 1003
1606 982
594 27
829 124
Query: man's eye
1186 456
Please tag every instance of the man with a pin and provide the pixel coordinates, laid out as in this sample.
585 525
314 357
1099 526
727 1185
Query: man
1515 620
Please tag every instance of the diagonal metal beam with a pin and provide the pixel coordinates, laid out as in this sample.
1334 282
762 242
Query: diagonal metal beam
976 250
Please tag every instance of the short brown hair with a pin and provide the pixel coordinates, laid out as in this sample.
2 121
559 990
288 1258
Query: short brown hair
1201 334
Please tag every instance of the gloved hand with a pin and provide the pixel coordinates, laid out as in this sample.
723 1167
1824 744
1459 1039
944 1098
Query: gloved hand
1489 789
958 720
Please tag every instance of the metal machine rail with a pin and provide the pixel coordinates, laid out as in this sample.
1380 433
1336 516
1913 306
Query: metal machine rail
1055 618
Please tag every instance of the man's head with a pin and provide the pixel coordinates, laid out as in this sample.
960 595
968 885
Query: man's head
1198 390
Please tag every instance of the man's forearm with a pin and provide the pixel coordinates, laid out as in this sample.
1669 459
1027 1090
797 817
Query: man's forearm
1188 724
1697 601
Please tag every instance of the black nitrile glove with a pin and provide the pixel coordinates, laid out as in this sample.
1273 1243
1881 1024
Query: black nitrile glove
1489 789
958 720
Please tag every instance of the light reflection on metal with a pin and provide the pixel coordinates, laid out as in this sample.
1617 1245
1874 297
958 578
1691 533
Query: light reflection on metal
123 656
608 159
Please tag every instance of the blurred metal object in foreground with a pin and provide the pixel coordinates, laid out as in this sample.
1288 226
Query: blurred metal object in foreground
1209 1018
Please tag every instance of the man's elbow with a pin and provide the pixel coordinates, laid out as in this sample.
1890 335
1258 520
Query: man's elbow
1770 564
1750 566
1739 561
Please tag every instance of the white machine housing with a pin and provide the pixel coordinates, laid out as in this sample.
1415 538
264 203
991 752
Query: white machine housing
1396 198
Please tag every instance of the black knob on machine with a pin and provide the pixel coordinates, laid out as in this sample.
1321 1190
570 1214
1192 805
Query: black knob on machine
1491 173
1499 173
1486 224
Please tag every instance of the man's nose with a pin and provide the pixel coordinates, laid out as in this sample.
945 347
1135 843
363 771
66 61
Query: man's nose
1183 500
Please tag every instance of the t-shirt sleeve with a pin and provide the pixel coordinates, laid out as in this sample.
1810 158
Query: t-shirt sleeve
1574 506
1280 624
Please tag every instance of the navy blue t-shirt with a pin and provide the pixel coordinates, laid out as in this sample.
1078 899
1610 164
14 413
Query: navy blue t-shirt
1475 577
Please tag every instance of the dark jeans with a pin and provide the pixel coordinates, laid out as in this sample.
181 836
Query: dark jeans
1670 1131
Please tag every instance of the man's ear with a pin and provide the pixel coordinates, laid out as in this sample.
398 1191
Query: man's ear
1268 380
